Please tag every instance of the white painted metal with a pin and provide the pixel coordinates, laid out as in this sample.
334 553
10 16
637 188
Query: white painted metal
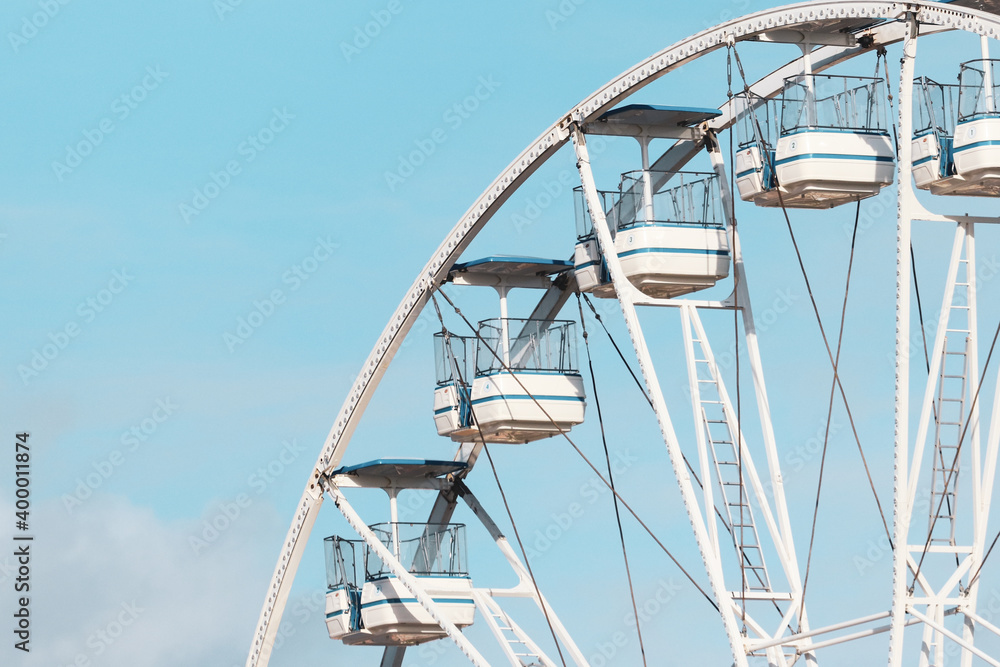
901 504
509 634
754 26
908 557
506 411
409 581
526 587
623 289
781 535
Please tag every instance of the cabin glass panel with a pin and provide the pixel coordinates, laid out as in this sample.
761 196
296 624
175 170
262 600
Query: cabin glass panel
823 101
936 107
452 355
678 197
535 345
341 562
977 97
584 222
427 549
757 120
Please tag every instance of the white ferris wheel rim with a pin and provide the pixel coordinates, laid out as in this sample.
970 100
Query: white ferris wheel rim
945 17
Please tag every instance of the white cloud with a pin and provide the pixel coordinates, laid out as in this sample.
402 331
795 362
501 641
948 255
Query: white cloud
114 586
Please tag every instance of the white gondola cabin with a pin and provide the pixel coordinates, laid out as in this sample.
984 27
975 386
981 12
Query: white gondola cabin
832 144
977 134
933 137
670 243
522 383
366 603
668 226
452 404
589 267
671 238
528 384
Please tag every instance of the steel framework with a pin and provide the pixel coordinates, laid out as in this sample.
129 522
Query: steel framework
922 594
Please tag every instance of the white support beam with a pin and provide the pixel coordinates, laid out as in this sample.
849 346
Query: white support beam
901 501
624 290
783 541
937 625
405 578
526 583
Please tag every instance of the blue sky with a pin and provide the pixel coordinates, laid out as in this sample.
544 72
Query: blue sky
173 168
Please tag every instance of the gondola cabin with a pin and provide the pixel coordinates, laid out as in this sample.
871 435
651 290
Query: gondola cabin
452 403
977 134
668 226
589 267
671 237
757 123
522 380
833 145
933 137
366 604
533 389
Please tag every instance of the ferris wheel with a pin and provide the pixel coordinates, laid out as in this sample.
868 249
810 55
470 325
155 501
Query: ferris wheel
666 236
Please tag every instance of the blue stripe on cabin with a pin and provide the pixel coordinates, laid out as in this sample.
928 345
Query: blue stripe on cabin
368 605
835 156
675 251
526 397
978 144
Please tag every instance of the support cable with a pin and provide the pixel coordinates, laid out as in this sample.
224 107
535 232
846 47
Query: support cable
621 356
819 320
586 460
736 341
983 562
510 515
687 463
611 478
829 410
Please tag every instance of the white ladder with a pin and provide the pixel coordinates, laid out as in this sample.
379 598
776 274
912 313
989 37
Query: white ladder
515 642
950 412
718 423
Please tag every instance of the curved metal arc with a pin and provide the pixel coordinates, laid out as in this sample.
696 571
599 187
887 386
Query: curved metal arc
486 205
